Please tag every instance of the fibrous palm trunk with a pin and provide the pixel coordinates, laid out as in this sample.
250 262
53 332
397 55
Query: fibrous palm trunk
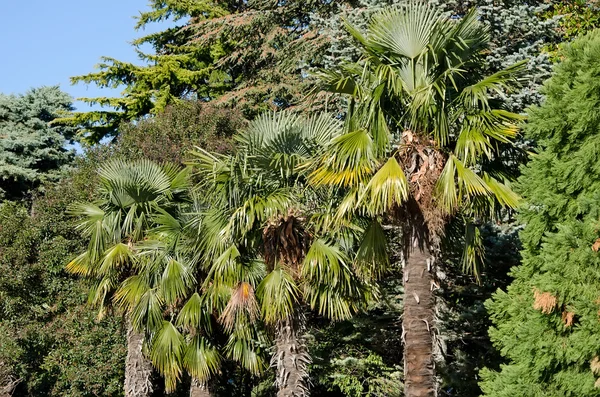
138 369
419 375
8 387
291 359
198 389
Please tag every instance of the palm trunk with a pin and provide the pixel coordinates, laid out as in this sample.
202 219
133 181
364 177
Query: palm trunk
291 359
419 375
8 383
198 389
9 386
138 369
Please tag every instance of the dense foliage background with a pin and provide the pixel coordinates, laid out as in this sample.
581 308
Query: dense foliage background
526 324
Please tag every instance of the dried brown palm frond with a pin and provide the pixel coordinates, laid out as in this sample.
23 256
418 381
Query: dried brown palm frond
285 241
242 303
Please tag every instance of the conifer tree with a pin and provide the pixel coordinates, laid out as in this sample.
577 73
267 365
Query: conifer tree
258 54
32 150
251 54
546 323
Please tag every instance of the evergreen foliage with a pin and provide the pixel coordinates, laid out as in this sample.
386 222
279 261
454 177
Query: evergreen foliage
575 17
32 149
546 323
50 343
257 55
169 135
249 54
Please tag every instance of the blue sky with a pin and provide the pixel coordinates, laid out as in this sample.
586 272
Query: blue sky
45 42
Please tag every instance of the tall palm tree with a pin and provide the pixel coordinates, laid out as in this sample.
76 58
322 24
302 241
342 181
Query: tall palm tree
265 241
425 144
131 194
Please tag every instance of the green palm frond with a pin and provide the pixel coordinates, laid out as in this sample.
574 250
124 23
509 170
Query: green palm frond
147 312
92 225
177 280
457 184
476 96
372 257
502 192
349 160
406 31
229 269
100 291
386 189
338 82
130 293
116 259
267 128
166 353
201 359
81 265
137 181
279 295
473 251
195 313
244 348
330 286
257 209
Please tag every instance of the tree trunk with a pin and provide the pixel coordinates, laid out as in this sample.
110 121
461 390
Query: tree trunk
138 369
8 383
197 389
8 387
419 375
291 359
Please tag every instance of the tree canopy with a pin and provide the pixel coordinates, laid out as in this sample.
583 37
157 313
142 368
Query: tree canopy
32 149
546 323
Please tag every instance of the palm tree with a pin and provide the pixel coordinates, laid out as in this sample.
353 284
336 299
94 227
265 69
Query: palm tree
264 238
169 300
425 144
131 194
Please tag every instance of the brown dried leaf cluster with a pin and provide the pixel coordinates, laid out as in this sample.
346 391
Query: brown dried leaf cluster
284 241
423 164
567 318
596 245
595 365
242 300
544 301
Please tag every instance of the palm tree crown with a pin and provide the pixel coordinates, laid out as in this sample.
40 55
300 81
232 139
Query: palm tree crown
421 122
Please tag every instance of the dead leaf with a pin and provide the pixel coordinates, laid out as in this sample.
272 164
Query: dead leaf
567 318
595 365
544 301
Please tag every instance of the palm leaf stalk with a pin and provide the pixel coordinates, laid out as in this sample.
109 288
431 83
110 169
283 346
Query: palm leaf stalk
264 240
425 141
